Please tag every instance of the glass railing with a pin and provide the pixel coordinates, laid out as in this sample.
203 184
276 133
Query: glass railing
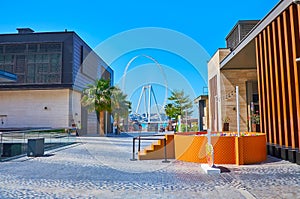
15 143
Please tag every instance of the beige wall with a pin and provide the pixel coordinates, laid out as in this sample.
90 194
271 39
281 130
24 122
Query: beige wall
229 80
214 63
214 71
34 108
225 103
27 109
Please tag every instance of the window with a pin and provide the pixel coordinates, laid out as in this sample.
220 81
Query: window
20 64
55 58
30 73
8 68
1 59
42 78
32 48
34 63
51 47
55 68
54 78
42 68
16 48
9 59
31 59
20 79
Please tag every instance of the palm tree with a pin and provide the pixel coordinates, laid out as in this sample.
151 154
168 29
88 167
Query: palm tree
120 106
97 97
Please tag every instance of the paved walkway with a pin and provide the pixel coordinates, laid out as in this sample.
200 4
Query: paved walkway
100 168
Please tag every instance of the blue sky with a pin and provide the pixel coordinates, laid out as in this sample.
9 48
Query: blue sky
207 23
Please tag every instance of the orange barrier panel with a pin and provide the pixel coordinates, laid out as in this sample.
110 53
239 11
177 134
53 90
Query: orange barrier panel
190 148
227 149
224 149
254 149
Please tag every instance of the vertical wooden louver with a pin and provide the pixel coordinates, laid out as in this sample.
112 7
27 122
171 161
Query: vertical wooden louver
277 48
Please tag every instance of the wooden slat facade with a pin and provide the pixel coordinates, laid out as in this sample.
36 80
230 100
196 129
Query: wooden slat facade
277 48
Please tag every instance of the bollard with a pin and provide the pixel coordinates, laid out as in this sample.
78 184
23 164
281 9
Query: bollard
165 148
139 148
133 150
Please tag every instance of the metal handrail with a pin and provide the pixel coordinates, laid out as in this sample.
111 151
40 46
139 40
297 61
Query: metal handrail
22 136
32 130
148 137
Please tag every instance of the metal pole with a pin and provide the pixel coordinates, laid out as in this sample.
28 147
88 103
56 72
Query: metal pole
139 148
165 148
237 110
208 136
186 129
133 150
1 149
149 103
216 118
105 123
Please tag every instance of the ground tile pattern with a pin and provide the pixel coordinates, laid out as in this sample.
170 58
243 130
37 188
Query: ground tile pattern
101 168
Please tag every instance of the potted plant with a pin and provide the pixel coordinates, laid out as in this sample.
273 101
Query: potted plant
255 121
226 123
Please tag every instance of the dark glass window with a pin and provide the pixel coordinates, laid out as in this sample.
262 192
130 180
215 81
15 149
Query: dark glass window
42 68
55 68
55 78
20 79
30 69
45 58
16 48
2 59
20 59
38 58
31 59
255 98
55 58
32 48
8 68
9 59
42 78
35 63
51 47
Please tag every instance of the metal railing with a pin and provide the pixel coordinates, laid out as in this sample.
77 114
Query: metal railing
14 143
149 137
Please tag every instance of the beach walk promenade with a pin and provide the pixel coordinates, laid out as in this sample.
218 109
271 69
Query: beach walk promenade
100 167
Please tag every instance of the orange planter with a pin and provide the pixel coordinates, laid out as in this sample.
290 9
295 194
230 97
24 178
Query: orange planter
227 149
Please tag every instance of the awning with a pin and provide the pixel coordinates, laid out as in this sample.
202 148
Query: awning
243 56
7 77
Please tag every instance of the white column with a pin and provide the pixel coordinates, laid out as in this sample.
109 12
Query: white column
149 103
237 110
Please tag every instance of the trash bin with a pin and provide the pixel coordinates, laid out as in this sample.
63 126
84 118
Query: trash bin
35 147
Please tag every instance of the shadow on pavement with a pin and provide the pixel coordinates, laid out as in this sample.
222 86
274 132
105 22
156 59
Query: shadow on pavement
223 169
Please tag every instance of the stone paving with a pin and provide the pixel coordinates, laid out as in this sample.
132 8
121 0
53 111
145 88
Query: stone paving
101 168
